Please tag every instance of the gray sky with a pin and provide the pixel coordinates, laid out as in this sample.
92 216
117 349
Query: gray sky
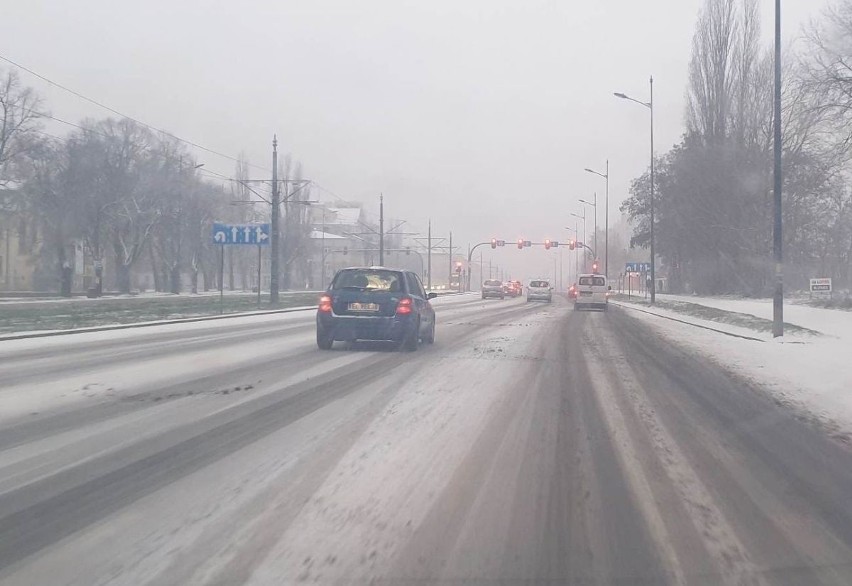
478 114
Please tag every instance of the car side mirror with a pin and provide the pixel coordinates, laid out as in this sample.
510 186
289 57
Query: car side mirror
431 295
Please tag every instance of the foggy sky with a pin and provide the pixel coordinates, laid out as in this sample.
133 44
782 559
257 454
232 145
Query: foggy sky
479 114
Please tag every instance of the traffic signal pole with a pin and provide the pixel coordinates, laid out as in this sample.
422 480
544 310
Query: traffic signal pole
470 258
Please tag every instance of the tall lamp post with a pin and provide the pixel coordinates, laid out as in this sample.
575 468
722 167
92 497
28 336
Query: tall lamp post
777 241
594 204
606 217
583 217
650 106
575 229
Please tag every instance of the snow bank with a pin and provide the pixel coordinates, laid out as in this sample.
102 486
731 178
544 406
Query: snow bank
813 373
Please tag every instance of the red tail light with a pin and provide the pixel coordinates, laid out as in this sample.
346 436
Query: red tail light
325 304
404 306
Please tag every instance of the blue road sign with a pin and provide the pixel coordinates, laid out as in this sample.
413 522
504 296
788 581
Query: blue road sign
637 267
252 234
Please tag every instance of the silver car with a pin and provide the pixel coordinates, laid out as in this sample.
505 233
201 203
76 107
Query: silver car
539 290
493 288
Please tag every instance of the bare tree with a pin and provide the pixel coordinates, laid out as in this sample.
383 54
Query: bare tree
829 62
19 115
712 70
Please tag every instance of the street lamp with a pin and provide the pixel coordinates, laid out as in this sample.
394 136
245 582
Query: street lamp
777 221
606 216
583 217
594 205
576 231
650 106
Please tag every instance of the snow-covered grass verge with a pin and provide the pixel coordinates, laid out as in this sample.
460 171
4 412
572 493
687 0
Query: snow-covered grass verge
696 308
811 373
26 316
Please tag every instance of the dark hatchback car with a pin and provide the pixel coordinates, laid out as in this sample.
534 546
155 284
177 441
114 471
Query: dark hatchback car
375 303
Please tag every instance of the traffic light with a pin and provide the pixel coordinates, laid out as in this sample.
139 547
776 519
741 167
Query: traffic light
408 250
520 243
547 244
501 243
595 267
345 250
458 266
493 243
572 245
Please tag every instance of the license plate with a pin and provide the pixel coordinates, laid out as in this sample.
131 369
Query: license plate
363 306
585 293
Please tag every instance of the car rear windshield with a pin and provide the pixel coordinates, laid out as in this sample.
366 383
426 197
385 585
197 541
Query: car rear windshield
493 283
539 284
597 281
368 280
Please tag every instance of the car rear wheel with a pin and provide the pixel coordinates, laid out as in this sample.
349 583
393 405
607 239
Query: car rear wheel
324 339
412 338
430 337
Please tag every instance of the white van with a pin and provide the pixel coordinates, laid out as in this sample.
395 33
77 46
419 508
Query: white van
592 292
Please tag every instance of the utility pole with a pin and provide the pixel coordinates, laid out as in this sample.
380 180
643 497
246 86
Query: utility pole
596 222
606 224
777 241
450 255
429 257
322 257
273 240
469 269
382 230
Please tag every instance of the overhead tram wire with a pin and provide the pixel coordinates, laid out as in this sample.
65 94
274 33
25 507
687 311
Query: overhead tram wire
146 125
117 113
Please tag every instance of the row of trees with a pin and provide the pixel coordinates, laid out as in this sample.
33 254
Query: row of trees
713 197
129 195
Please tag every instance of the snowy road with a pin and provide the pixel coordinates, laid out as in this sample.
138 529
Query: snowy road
530 443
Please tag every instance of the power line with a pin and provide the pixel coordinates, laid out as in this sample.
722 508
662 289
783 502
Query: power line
117 113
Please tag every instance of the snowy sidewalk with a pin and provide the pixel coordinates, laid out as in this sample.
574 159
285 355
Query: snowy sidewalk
831 322
807 371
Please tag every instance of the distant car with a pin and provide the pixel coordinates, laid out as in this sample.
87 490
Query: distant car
493 288
514 289
540 290
572 291
375 303
592 292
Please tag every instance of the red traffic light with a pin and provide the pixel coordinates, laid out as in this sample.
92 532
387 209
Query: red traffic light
547 244
520 243
493 243
572 245
595 267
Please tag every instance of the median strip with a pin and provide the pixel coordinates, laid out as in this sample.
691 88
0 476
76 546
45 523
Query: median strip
145 324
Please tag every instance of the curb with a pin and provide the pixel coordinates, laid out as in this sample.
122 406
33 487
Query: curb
148 324
689 323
